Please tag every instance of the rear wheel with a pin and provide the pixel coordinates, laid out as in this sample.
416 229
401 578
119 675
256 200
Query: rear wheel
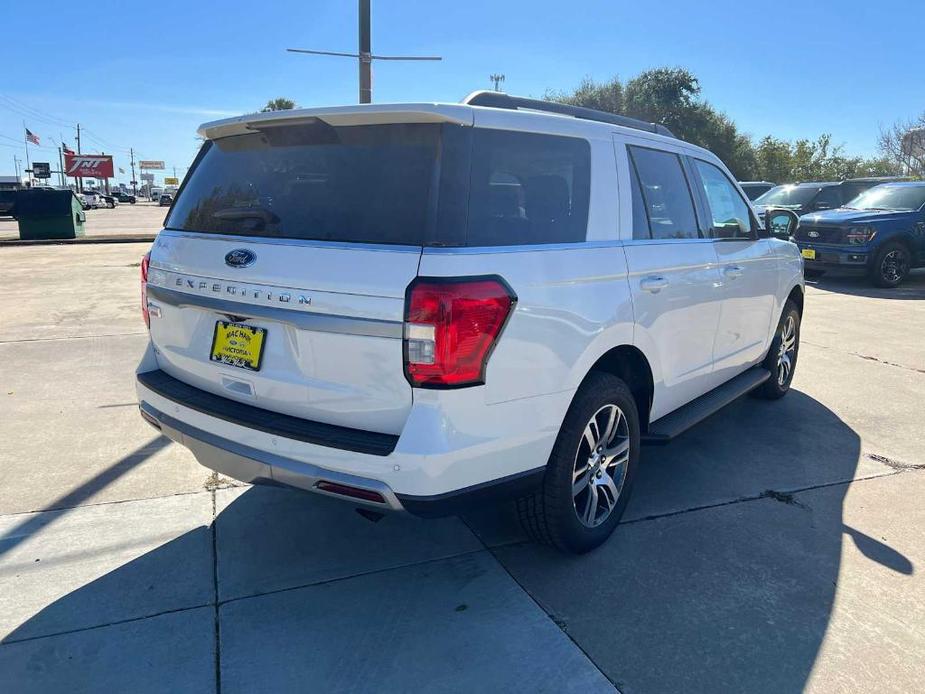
590 471
891 265
782 356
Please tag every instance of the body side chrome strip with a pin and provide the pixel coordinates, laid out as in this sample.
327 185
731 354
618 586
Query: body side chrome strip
321 322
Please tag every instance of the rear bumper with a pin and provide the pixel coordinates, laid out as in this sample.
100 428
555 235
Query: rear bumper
449 457
253 466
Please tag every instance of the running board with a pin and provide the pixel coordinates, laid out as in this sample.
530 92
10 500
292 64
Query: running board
676 423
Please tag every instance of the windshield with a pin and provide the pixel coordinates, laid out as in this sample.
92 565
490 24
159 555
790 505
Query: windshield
788 195
898 198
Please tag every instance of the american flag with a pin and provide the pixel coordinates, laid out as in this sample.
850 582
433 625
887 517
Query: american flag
32 137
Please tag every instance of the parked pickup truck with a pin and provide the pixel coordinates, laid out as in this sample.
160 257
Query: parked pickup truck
419 307
881 233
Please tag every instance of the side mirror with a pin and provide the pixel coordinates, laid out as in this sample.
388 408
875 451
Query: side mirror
781 224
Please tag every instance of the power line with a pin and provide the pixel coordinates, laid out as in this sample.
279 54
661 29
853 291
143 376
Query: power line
364 53
27 111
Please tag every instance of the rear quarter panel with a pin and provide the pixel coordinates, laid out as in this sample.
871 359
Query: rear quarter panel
573 305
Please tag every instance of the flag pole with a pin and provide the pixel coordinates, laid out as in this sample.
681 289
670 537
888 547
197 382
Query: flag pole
26 140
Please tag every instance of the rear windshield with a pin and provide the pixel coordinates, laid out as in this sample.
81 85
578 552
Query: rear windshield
414 184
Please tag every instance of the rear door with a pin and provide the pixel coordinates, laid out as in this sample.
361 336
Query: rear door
673 277
748 273
307 235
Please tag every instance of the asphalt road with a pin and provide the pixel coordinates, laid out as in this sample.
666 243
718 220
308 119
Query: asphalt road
777 547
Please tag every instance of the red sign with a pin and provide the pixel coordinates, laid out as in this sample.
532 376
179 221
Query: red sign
88 165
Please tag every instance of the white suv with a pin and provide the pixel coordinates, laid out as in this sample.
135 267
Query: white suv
418 307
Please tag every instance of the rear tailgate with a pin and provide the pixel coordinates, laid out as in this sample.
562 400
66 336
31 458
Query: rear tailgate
310 232
333 321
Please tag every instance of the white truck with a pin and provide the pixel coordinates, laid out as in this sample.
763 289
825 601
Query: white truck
419 307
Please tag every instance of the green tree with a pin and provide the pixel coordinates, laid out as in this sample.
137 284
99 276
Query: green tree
278 104
672 97
669 96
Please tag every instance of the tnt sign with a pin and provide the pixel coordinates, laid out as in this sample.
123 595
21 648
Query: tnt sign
88 165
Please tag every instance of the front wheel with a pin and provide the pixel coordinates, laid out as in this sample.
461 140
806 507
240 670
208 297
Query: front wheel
782 356
891 265
590 471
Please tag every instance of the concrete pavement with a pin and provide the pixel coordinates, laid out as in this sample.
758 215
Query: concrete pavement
774 548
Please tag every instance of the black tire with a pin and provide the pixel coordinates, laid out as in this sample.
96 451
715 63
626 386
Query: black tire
778 386
891 265
551 515
813 273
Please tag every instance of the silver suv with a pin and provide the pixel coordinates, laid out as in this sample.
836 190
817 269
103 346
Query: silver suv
419 307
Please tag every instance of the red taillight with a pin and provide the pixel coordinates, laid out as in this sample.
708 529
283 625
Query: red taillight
144 288
451 326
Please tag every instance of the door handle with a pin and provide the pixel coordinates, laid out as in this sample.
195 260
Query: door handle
653 283
732 271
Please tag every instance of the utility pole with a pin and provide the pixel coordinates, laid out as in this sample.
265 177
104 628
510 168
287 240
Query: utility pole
366 60
131 154
364 54
497 78
16 166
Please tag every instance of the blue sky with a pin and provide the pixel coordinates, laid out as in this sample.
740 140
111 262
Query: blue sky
145 75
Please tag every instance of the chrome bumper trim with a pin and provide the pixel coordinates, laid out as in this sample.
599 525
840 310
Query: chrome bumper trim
260 467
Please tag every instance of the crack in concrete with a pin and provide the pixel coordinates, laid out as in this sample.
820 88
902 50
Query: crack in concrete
866 357
894 464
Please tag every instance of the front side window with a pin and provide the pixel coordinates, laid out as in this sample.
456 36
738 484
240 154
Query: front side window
668 202
731 219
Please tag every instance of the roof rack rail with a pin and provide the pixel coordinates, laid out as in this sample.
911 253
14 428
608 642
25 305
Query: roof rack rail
502 100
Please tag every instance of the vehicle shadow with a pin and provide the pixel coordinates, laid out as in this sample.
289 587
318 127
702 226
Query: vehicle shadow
721 578
723 574
858 285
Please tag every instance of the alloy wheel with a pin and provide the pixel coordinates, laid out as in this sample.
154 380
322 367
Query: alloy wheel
601 462
895 265
787 350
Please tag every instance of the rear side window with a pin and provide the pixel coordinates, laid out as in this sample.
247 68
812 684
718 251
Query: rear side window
665 191
314 181
527 188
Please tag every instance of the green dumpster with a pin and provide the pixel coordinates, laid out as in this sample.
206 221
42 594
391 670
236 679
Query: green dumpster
48 214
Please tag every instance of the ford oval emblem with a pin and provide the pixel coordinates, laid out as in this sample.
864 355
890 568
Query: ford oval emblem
813 234
240 257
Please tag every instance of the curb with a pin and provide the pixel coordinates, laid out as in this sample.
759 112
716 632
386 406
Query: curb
122 238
